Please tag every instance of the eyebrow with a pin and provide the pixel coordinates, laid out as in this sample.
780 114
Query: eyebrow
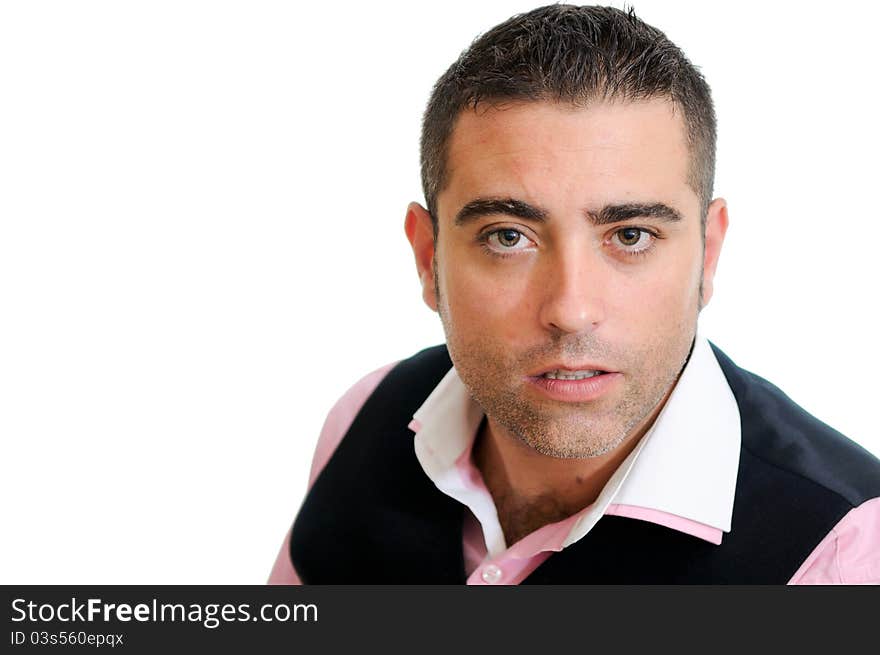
605 216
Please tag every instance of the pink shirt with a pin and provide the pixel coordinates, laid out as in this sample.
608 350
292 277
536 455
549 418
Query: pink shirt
445 426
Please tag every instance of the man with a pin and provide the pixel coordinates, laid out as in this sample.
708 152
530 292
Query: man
576 427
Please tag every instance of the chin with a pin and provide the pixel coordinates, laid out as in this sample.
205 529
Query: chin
578 451
571 444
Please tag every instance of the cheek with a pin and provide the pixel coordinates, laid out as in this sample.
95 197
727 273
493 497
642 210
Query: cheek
503 302
489 303
662 295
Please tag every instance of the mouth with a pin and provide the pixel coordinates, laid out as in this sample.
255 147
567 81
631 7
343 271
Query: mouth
571 371
565 374
576 384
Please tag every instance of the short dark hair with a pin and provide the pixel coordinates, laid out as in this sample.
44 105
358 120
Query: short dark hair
566 53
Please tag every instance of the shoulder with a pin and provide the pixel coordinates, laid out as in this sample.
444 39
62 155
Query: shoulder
402 383
782 435
341 416
850 554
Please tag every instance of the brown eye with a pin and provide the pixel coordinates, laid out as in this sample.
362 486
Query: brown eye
629 236
633 240
506 241
508 238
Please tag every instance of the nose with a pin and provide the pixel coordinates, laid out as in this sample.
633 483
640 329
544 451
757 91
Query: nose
573 290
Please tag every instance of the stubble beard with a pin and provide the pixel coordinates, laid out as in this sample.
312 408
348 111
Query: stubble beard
496 382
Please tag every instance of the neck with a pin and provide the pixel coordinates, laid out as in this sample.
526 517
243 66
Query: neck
520 474
531 490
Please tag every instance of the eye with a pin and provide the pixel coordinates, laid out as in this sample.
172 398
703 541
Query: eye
634 240
506 240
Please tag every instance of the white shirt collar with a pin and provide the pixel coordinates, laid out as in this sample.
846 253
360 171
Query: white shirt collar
686 465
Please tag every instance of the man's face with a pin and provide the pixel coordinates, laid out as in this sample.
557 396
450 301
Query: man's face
590 259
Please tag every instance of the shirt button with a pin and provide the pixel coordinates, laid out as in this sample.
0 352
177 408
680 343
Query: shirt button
491 574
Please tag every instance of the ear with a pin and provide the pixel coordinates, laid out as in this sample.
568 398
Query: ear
420 232
716 228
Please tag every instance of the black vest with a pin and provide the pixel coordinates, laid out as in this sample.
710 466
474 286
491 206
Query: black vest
373 516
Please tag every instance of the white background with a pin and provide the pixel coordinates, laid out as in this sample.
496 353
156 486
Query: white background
201 248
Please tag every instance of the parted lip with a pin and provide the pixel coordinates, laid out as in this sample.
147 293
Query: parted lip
571 368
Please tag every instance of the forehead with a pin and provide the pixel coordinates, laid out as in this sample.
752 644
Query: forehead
559 155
